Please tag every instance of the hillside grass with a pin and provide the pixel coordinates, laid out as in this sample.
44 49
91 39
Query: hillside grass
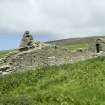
73 47
4 53
7 52
82 83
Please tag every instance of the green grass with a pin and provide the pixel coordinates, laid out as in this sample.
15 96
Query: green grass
5 52
8 52
82 83
73 47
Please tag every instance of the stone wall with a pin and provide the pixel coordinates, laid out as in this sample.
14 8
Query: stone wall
49 55
93 46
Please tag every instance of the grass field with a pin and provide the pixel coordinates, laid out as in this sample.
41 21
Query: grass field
74 47
7 52
75 43
82 83
3 53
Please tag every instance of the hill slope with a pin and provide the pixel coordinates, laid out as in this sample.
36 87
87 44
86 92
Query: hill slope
75 40
75 43
82 83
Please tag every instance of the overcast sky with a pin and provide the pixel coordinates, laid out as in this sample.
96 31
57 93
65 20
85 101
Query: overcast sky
56 18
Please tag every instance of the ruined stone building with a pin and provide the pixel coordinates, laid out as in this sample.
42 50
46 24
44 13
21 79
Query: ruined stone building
33 54
97 46
36 54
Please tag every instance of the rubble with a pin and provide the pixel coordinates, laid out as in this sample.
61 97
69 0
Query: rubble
4 68
33 54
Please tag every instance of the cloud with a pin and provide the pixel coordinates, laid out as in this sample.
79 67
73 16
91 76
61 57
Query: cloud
63 18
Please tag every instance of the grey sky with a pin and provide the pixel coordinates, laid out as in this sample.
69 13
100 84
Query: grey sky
63 18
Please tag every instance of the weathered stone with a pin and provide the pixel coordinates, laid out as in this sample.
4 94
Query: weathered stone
80 50
4 68
26 42
97 46
47 55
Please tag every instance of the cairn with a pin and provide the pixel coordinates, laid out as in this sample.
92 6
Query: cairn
26 42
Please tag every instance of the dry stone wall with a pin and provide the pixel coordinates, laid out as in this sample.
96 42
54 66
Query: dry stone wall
48 55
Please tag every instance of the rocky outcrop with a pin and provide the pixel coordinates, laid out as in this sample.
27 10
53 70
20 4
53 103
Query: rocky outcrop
32 55
4 68
48 55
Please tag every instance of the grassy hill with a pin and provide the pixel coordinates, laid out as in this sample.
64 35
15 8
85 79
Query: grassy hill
75 40
3 53
82 83
75 43
6 52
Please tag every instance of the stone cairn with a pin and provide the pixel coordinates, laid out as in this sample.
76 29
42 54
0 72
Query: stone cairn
27 46
26 42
